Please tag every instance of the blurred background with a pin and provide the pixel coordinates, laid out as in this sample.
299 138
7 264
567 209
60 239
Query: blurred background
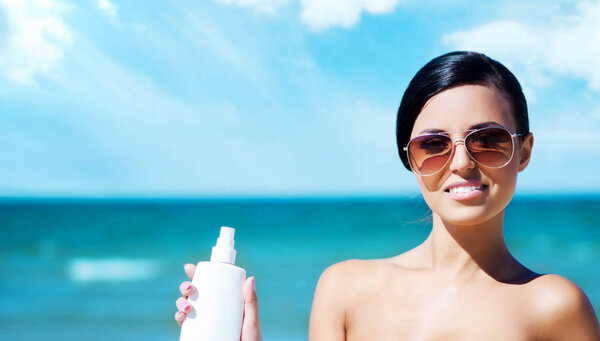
130 132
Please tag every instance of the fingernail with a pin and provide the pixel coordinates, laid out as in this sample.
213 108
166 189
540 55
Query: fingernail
180 313
187 287
253 284
186 306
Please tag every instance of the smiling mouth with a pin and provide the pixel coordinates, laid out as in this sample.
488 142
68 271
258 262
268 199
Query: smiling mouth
464 189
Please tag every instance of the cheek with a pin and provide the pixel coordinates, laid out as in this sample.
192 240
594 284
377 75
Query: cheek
507 175
433 183
503 182
431 186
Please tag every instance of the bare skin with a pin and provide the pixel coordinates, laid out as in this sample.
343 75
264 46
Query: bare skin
461 283
397 299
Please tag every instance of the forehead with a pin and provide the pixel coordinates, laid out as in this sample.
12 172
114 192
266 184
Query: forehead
462 107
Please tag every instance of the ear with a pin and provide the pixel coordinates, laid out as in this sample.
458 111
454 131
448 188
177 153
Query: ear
525 151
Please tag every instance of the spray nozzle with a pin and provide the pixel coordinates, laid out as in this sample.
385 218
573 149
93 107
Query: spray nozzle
223 251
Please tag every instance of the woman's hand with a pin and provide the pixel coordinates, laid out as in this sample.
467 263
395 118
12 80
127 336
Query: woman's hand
250 325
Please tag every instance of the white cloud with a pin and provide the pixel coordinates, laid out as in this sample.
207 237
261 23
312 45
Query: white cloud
107 8
568 45
34 40
268 6
320 15
564 152
557 143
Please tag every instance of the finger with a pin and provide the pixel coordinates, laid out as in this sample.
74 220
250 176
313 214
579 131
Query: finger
179 317
189 269
186 288
183 305
250 326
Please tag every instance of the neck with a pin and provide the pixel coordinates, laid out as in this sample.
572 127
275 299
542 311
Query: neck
465 251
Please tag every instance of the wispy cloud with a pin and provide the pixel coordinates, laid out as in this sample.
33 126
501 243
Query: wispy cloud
34 39
268 6
143 137
320 15
567 45
125 123
108 8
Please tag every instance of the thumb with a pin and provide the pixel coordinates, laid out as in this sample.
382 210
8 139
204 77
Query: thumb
250 325
189 270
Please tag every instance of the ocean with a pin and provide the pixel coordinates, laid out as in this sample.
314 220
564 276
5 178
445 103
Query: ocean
111 269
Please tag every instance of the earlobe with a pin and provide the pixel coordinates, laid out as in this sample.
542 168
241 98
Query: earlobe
525 151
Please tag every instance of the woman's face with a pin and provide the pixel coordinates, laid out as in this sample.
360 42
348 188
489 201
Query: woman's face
456 110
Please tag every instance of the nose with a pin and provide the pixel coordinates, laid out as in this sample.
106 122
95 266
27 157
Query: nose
461 160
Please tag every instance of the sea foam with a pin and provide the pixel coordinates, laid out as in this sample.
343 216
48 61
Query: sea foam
112 269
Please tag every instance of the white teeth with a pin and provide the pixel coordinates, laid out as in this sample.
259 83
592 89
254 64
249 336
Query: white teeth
464 189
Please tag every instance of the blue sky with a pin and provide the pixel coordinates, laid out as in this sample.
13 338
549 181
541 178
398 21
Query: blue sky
104 98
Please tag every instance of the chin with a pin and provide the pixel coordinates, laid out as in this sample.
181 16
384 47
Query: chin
472 212
467 216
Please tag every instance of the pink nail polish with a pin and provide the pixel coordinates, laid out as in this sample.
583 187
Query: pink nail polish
188 287
253 284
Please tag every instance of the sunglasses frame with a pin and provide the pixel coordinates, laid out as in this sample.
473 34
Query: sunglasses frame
471 131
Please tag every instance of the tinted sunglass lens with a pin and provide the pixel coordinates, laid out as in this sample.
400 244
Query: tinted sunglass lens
429 153
490 147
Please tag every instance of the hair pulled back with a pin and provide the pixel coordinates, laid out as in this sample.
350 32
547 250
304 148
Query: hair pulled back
451 70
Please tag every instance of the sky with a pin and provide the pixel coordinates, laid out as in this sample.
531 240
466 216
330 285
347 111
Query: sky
106 98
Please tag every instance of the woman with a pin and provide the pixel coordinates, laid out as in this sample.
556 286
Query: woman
463 130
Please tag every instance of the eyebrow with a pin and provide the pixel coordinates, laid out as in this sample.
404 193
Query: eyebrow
475 126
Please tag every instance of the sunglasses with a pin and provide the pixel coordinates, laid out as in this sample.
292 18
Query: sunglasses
491 147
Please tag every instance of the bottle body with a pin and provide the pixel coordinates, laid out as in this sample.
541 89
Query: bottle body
217 303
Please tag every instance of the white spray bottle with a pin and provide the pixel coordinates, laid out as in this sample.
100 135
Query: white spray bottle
217 303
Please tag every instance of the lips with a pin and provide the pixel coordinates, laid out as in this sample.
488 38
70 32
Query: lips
465 190
461 187
465 193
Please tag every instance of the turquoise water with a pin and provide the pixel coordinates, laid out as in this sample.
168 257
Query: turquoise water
110 270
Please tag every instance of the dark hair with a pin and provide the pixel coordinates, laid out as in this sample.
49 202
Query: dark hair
451 70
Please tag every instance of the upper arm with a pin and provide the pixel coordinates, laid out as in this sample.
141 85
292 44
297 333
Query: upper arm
328 314
567 313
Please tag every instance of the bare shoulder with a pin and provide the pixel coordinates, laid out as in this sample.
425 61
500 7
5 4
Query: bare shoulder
557 294
343 282
335 291
350 268
352 271
564 311
339 279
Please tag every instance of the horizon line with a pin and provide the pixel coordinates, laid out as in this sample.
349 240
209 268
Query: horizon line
263 197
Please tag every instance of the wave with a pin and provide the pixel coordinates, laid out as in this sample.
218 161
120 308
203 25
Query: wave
112 269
